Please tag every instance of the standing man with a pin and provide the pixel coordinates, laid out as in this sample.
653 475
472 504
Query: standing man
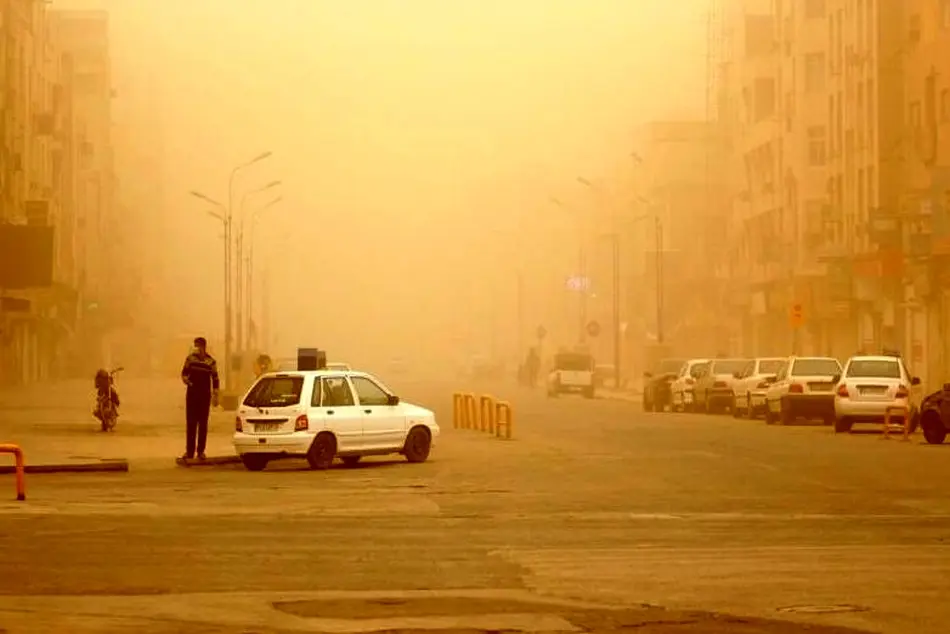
200 374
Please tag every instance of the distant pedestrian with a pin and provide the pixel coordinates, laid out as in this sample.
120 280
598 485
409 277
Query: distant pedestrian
200 374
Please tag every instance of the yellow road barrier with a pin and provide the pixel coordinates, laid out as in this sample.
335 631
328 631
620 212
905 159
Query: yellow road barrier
896 410
20 478
503 418
486 414
482 413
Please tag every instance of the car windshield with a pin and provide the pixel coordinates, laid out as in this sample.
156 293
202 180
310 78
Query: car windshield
770 366
697 369
728 366
572 362
670 366
275 391
875 368
815 367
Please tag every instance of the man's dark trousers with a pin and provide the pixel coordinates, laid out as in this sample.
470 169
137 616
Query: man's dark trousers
197 409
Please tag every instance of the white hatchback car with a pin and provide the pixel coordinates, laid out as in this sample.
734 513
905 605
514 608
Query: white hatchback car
325 414
752 383
869 386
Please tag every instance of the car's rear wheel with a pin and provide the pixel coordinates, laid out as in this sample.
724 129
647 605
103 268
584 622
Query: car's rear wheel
842 425
418 445
254 461
322 451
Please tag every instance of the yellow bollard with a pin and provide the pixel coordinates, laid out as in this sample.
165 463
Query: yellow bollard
458 411
486 414
470 412
503 418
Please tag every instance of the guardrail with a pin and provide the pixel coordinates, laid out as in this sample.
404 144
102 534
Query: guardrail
482 413
896 410
20 478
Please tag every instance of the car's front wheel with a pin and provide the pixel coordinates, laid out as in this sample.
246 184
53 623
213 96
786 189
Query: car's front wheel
934 431
418 444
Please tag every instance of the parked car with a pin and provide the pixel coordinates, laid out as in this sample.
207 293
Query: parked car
751 384
935 415
869 387
323 414
656 385
713 389
682 396
803 388
573 372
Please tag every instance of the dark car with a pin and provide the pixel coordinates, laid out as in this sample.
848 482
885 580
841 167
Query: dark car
656 386
935 415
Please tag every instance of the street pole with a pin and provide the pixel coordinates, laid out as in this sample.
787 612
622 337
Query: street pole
615 254
658 236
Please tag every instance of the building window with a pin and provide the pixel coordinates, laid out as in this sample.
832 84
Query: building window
815 9
817 146
815 72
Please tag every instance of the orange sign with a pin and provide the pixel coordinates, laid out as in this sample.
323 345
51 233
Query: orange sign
796 316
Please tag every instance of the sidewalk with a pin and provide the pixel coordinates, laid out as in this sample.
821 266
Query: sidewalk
53 423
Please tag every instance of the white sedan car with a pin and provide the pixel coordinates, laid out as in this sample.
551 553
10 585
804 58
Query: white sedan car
802 388
325 414
751 384
682 395
869 386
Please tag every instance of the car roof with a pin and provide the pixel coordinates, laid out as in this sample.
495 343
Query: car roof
698 361
875 357
818 358
317 373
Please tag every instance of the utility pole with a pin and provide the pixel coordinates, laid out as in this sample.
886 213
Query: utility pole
658 236
615 255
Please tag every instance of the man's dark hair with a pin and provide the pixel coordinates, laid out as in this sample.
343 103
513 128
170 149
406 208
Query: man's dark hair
201 342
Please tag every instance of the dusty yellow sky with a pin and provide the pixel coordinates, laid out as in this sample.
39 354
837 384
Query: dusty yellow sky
398 129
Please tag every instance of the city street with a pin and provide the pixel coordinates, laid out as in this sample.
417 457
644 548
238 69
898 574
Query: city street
675 518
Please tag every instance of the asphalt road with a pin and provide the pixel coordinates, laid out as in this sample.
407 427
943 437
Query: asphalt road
593 502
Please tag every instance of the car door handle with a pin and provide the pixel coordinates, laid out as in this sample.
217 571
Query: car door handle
329 412
368 411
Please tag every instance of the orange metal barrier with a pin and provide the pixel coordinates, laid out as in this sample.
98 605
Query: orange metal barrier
486 414
896 410
503 418
458 405
470 412
20 479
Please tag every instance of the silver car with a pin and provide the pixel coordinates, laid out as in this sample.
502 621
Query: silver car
869 387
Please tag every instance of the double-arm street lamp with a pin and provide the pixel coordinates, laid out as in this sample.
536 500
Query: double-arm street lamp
243 281
226 216
255 215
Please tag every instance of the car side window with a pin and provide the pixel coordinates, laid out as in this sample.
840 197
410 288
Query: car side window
782 371
317 399
748 370
369 392
336 392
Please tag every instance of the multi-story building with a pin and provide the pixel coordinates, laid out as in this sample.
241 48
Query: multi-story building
36 318
82 37
812 111
680 227
926 209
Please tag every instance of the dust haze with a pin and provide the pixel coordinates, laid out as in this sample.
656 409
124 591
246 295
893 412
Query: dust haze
418 146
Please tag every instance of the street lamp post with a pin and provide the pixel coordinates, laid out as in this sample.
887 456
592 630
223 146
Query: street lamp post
228 241
250 261
223 218
241 279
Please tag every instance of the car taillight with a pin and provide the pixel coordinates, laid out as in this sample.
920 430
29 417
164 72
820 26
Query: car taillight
237 424
795 388
902 392
719 384
842 391
302 423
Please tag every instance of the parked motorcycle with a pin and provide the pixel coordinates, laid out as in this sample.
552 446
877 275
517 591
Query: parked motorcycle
107 399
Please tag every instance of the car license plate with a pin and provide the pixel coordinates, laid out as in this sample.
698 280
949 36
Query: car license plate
875 389
821 387
265 427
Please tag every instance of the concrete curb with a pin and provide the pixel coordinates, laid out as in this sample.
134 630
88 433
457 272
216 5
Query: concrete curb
118 465
211 461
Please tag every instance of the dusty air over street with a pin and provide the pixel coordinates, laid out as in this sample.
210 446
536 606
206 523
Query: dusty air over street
474 316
